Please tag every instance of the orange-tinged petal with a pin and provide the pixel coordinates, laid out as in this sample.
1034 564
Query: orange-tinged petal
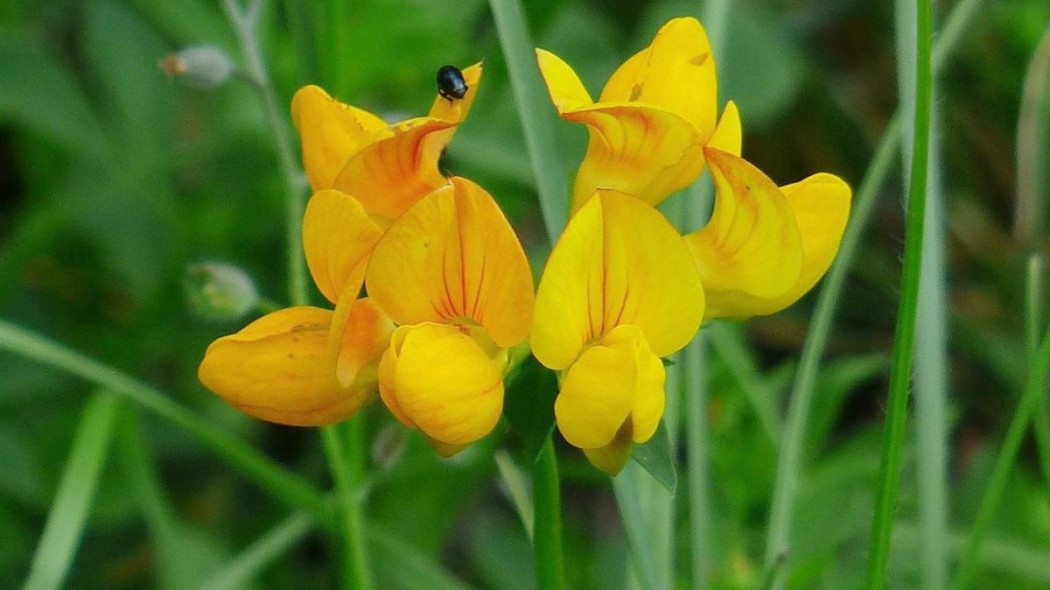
564 86
397 169
454 257
331 132
728 136
751 245
338 236
675 73
821 206
618 262
445 382
455 111
279 368
359 335
637 149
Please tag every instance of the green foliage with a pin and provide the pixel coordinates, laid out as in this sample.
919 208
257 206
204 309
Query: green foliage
115 179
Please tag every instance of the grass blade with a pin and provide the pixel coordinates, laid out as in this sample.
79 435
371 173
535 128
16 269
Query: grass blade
1034 389
398 562
790 461
537 114
282 484
240 572
904 334
65 522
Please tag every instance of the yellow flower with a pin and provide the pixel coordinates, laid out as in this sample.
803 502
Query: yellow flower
619 291
386 167
652 120
452 274
765 246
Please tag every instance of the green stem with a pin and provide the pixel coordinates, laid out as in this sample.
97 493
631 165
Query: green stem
355 570
1034 389
246 25
65 521
790 462
239 572
547 524
1033 322
536 112
900 370
283 485
696 455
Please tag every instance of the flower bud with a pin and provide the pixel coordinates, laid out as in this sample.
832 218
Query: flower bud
220 291
203 67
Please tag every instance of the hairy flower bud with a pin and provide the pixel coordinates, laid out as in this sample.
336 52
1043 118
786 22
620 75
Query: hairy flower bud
220 291
204 67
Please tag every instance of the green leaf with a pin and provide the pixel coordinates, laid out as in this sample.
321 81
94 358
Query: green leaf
68 515
39 93
519 486
528 406
657 457
240 571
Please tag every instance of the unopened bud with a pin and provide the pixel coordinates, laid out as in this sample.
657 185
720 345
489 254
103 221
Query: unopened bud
204 66
220 291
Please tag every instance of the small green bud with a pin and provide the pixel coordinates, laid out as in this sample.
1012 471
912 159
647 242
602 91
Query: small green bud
204 66
219 291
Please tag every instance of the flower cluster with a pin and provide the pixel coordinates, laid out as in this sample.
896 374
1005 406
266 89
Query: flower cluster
449 287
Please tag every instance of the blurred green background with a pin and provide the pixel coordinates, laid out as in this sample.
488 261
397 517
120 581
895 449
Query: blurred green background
114 179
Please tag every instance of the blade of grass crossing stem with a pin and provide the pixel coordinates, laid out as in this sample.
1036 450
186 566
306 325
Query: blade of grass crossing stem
1035 387
536 112
240 572
282 484
900 370
931 355
76 490
790 462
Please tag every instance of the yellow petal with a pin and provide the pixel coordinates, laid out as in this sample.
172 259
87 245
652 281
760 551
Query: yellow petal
444 382
331 132
821 206
637 149
675 73
596 395
618 262
566 90
454 257
279 368
728 136
751 245
455 111
359 335
616 380
398 168
338 236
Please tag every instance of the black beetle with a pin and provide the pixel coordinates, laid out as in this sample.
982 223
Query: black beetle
451 84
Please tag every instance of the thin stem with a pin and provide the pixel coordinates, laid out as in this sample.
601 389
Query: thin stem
355 569
1033 323
239 572
247 35
546 495
1031 152
900 370
1035 386
696 455
790 463
282 484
